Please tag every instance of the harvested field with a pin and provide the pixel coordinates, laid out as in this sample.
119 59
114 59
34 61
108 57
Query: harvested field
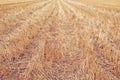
60 40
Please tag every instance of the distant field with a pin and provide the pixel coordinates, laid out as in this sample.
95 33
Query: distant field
93 2
102 2
12 1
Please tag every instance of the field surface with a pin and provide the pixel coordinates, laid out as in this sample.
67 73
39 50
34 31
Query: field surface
60 40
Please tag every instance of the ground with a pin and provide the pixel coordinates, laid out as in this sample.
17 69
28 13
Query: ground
60 40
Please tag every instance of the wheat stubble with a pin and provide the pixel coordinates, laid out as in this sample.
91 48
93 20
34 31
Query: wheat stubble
59 40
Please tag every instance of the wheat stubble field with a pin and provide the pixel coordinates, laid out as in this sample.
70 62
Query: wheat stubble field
59 40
